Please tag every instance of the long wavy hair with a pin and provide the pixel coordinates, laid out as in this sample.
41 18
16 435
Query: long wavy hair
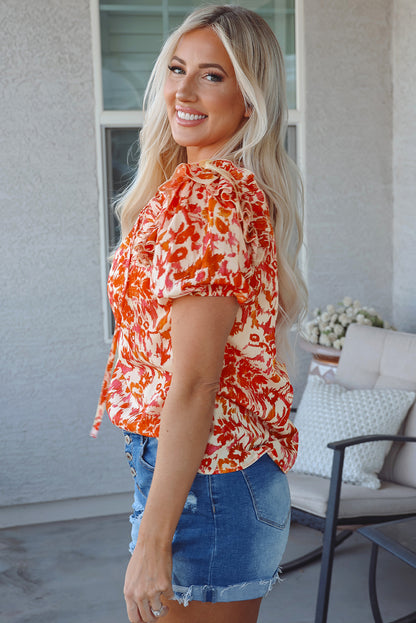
258 145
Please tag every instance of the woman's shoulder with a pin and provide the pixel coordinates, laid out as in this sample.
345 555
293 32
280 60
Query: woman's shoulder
216 176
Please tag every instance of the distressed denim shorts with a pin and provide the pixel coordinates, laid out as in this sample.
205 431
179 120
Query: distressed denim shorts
232 532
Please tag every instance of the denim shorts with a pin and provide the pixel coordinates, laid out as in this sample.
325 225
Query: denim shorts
232 532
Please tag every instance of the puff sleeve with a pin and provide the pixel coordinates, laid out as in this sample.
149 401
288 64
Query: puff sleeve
201 247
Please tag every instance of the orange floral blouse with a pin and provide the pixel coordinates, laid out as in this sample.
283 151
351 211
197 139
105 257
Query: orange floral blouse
206 232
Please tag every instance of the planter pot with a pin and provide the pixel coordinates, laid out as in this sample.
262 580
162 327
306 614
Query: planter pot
324 360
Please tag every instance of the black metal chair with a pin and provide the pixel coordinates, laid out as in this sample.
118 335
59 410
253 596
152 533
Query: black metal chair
371 358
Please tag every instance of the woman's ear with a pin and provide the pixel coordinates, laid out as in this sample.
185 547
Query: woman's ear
248 110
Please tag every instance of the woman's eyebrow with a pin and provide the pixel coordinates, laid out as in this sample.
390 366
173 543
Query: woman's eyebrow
201 65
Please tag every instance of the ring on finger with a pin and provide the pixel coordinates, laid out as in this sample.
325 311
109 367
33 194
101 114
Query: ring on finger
157 613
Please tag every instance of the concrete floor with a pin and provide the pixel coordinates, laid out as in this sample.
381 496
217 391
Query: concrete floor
73 571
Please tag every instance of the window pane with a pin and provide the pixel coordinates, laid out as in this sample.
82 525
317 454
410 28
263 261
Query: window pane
132 33
122 155
290 142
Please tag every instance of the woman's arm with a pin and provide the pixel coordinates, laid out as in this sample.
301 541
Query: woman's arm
200 328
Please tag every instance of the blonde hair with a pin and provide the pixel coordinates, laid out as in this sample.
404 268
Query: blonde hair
258 145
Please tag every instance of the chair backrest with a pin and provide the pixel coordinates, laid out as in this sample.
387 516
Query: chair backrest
376 358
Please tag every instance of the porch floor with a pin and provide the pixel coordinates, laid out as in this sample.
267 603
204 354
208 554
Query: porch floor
72 572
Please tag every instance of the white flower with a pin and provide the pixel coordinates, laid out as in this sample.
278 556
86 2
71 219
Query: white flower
344 320
328 328
324 340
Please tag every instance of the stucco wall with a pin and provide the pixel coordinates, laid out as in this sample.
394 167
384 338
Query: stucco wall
349 151
404 164
53 349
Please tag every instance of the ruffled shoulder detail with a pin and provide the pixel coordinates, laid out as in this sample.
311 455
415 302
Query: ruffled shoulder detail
233 187
213 232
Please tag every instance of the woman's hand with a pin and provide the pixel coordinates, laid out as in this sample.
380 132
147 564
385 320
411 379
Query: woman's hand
148 577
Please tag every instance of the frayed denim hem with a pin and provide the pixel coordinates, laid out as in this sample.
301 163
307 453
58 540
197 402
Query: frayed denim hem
215 594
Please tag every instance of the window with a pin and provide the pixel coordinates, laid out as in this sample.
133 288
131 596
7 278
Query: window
129 35
133 31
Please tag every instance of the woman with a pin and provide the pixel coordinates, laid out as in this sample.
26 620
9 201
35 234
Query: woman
198 388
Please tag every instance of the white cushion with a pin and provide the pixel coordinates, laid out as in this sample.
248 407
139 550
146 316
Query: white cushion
310 494
330 412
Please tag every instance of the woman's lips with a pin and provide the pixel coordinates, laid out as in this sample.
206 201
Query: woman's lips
189 117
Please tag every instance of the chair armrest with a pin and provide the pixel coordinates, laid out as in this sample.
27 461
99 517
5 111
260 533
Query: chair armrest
339 448
338 464
353 441
331 518
336 474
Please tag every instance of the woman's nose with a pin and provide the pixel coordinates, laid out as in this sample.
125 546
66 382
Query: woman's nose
186 90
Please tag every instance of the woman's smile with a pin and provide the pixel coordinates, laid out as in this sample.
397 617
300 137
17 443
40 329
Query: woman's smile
189 116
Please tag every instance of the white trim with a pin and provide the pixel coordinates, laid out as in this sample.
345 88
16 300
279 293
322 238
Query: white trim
121 118
64 510
294 116
101 172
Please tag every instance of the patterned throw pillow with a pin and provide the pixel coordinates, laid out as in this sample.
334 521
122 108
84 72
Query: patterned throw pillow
330 412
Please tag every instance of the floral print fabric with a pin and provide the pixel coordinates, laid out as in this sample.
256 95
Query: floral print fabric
207 232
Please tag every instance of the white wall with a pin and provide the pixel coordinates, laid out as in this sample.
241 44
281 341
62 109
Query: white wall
361 242
52 340
404 164
349 151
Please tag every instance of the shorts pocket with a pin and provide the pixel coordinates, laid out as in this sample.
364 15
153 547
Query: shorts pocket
269 492
148 453
140 452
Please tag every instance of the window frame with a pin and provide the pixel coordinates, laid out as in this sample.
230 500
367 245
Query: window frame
117 119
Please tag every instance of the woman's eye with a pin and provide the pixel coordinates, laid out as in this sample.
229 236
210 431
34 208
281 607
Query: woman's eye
175 69
214 77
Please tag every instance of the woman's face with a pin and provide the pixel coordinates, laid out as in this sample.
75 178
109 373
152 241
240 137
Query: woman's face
204 103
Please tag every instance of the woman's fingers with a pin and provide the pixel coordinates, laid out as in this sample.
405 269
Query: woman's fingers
159 612
147 610
133 611
156 607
